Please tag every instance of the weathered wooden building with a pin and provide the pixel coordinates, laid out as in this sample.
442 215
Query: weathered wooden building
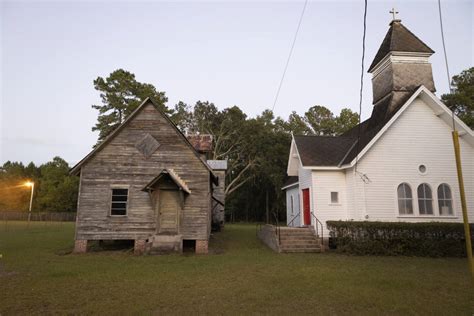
203 143
146 182
218 215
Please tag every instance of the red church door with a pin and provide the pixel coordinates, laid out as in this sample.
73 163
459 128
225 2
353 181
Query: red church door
306 208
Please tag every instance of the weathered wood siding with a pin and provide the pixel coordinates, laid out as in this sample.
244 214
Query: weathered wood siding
218 215
120 163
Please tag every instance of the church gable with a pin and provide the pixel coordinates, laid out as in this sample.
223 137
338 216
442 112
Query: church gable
146 137
293 160
438 112
411 135
416 148
435 115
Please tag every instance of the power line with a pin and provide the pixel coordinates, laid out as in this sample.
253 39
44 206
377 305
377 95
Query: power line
289 55
445 56
361 85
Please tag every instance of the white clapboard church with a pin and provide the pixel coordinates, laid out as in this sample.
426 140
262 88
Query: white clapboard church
398 165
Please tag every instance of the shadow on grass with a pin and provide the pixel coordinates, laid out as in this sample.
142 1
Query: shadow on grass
125 246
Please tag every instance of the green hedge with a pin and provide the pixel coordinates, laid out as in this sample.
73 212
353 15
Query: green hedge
396 238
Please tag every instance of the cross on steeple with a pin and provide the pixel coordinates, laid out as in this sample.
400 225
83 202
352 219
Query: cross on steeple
394 13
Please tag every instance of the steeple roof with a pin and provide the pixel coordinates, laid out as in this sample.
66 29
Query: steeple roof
399 39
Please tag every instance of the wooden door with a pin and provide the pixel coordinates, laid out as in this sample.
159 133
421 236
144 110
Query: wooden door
169 209
306 208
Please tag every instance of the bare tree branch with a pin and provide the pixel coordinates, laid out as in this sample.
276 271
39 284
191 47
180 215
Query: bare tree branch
231 148
229 187
238 186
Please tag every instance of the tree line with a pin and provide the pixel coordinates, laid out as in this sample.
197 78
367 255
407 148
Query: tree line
55 190
256 148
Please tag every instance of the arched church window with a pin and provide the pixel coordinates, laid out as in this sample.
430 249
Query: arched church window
405 199
445 200
425 199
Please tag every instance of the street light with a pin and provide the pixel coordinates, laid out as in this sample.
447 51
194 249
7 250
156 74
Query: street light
32 185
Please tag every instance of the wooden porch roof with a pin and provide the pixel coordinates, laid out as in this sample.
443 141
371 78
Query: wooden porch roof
173 175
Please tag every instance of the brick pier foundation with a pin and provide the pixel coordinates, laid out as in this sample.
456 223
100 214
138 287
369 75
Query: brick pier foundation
202 247
80 246
139 247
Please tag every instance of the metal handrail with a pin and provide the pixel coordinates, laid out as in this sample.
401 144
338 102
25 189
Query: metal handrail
277 227
294 217
321 224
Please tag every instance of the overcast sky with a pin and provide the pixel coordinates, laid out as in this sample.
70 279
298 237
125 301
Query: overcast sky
230 53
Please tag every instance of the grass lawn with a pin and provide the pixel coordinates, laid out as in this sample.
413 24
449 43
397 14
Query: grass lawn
39 275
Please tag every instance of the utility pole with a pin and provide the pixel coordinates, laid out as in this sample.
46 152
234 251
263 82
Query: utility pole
467 232
457 154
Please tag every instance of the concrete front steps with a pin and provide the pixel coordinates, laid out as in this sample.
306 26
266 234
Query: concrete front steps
298 239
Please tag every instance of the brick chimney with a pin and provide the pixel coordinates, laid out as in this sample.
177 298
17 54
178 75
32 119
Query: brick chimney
202 143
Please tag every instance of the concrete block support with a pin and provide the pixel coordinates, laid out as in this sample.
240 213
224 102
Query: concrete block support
80 246
267 235
139 247
202 247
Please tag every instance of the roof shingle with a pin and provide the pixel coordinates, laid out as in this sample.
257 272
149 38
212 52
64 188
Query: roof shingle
399 39
322 150
328 151
290 180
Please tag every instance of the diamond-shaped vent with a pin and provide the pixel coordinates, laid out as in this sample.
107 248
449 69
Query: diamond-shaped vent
147 145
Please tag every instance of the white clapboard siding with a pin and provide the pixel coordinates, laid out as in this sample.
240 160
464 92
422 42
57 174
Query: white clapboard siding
417 137
293 192
324 182
305 182
304 178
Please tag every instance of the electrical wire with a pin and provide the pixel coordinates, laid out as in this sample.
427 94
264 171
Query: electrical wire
445 57
289 55
361 85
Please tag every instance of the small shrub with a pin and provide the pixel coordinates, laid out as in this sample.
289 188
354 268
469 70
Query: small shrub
433 239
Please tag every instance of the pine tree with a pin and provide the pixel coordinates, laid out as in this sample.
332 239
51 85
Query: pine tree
121 94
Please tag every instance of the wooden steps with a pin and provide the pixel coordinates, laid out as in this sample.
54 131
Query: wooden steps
298 240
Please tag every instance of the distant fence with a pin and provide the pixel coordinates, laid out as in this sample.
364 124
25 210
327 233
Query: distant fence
38 216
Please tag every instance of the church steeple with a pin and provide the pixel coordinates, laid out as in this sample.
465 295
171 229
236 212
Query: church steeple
400 66
400 39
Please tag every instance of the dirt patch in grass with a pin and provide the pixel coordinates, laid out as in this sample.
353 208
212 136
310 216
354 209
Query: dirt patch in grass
5 274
